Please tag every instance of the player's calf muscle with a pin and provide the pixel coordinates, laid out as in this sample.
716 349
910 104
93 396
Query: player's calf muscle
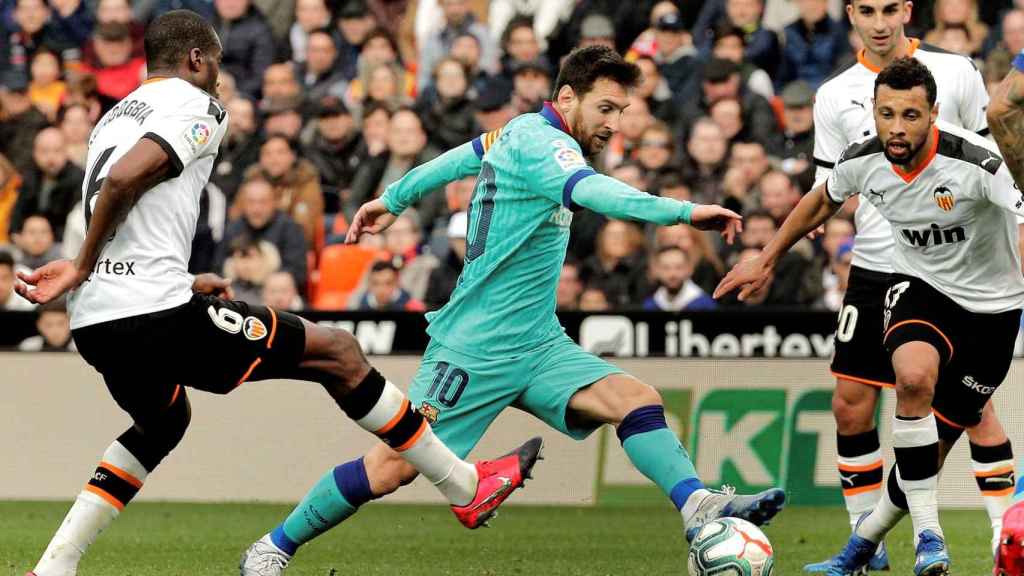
387 471
853 405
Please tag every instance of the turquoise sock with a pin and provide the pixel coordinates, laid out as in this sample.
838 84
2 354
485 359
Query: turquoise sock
657 453
334 498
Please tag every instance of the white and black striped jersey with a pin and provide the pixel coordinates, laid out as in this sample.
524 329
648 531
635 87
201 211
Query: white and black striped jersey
954 219
144 267
843 115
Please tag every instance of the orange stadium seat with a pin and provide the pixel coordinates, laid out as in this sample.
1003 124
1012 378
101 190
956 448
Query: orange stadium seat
341 268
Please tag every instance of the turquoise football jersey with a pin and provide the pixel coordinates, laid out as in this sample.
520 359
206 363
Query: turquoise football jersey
531 174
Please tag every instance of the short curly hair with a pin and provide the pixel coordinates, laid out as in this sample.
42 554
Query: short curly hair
585 66
905 74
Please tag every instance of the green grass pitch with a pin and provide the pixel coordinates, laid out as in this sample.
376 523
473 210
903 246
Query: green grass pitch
207 539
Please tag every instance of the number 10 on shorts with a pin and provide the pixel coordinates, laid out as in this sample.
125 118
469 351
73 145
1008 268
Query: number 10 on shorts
448 385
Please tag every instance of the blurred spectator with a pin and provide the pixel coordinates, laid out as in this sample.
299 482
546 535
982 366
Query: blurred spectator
280 292
567 295
9 299
73 19
54 328
279 84
376 128
597 30
494 107
997 66
119 12
594 299
729 44
10 186
654 89
310 15
393 86
676 57
798 118
247 42
728 114
279 16
788 285
646 43
52 187
383 292
762 45
704 164
708 268
458 19
296 185
34 31
335 145
955 38
35 243
448 115
779 195
1013 31
404 240
544 15
618 266
635 119
676 291
519 44
240 147
117 72
319 73
46 90
466 49
283 116
670 184
748 162
961 14
814 44
249 263
82 90
74 123
355 22
406 149
837 277
74 232
445 277
721 82
21 123
655 150
261 220
531 86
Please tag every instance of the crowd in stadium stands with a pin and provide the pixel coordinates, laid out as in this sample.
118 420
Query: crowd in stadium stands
332 101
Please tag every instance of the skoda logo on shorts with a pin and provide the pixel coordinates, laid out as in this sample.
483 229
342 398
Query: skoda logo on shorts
254 328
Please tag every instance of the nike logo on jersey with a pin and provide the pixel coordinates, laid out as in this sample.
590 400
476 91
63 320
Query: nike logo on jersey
934 236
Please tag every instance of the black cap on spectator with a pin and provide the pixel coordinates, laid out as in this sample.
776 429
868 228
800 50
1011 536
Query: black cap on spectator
353 9
597 26
798 94
719 70
331 106
495 95
113 31
671 22
535 65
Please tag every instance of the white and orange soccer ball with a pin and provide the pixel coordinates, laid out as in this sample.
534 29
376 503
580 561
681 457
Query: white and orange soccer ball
730 547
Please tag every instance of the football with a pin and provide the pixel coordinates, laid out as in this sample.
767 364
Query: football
730 547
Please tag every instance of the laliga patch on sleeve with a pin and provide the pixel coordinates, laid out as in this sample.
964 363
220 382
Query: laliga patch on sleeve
568 158
198 135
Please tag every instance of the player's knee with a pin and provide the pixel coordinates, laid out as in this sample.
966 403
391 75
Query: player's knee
853 415
916 383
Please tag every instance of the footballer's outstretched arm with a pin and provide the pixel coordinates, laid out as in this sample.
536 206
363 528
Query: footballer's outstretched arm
1006 120
611 197
376 215
750 275
144 166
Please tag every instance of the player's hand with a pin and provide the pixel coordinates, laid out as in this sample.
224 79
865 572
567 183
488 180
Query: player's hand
213 284
49 282
749 275
714 217
819 231
372 218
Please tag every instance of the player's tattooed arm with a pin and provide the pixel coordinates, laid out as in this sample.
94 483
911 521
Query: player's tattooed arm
1006 121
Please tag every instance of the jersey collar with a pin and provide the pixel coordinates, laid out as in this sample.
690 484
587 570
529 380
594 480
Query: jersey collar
913 43
554 117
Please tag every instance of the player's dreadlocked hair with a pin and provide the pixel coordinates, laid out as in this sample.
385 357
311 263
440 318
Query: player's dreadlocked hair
171 36
584 66
907 73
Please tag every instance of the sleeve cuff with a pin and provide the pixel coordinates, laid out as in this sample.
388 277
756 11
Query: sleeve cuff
828 194
176 164
478 147
570 184
390 203
824 163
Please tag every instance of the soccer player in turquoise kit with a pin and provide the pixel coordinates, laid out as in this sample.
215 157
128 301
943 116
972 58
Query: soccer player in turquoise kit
498 343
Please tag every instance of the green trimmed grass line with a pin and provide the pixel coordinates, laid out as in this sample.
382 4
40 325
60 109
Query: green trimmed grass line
168 539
